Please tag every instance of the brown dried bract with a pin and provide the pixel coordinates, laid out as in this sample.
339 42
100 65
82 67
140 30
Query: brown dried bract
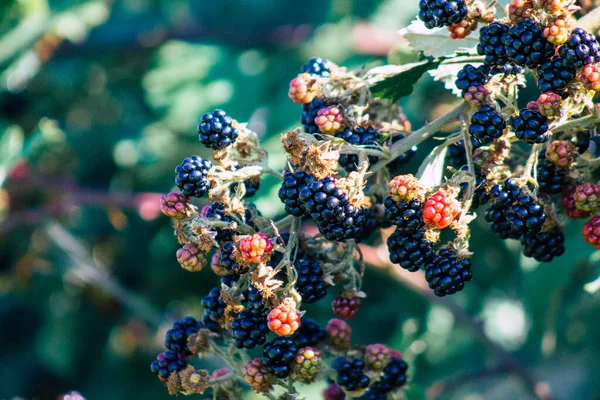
194 381
263 279
294 146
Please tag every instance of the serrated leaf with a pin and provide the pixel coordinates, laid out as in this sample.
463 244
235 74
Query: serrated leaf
447 73
437 42
401 79
431 171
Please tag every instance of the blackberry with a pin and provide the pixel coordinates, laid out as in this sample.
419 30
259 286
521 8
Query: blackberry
358 136
350 374
480 195
330 208
531 126
289 193
251 185
544 246
176 337
487 125
251 214
406 215
310 333
229 280
309 113
555 76
446 273
278 356
580 49
471 76
404 158
392 377
249 330
456 155
526 45
526 214
378 211
506 69
550 178
438 13
167 362
254 302
214 309
217 211
502 197
410 250
310 283
317 67
216 131
191 176
491 44
373 394
228 261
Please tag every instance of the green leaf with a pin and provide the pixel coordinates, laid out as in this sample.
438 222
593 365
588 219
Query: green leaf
402 81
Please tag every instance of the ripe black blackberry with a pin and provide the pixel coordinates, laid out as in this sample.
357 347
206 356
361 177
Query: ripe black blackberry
167 362
406 215
580 49
191 176
395 165
555 76
447 273
526 44
309 113
506 69
278 356
310 283
217 211
549 178
358 136
317 67
471 76
228 261
215 130
526 214
544 246
487 124
410 250
254 302
214 309
491 44
350 374
249 330
310 333
531 126
229 280
176 337
392 377
456 155
438 13
502 197
289 193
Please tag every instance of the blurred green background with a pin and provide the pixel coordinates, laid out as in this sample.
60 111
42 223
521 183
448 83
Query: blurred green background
98 103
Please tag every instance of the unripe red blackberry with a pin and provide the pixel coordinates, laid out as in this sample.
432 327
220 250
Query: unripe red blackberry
256 375
377 356
561 153
215 265
346 307
549 104
300 91
590 76
557 31
255 248
554 6
519 10
334 392
174 205
406 187
191 258
447 273
568 203
591 232
307 364
587 197
309 113
329 119
441 208
338 333
462 29
284 319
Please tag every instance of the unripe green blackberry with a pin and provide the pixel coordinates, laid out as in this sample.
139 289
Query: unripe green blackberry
191 258
307 364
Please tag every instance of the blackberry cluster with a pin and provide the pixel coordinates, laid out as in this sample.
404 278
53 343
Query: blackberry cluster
176 337
526 214
406 215
249 330
549 178
289 193
317 67
555 76
446 273
310 283
167 362
412 251
350 374
392 377
531 126
471 76
278 356
438 13
358 136
216 131
191 176
544 246
310 333
395 165
502 197
309 113
580 49
214 309
487 125
491 44
526 44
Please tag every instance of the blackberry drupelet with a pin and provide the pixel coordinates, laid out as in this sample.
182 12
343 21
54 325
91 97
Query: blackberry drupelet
471 76
191 176
406 215
446 273
403 159
392 377
310 333
555 76
289 193
526 214
487 125
410 250
309 113
526 45
580 49
278 356
317 67
310 283
215 130
544 246
176 337
350 374
549 178
167 362
531 126
214 309
491 44
438 13
358 136
249 330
